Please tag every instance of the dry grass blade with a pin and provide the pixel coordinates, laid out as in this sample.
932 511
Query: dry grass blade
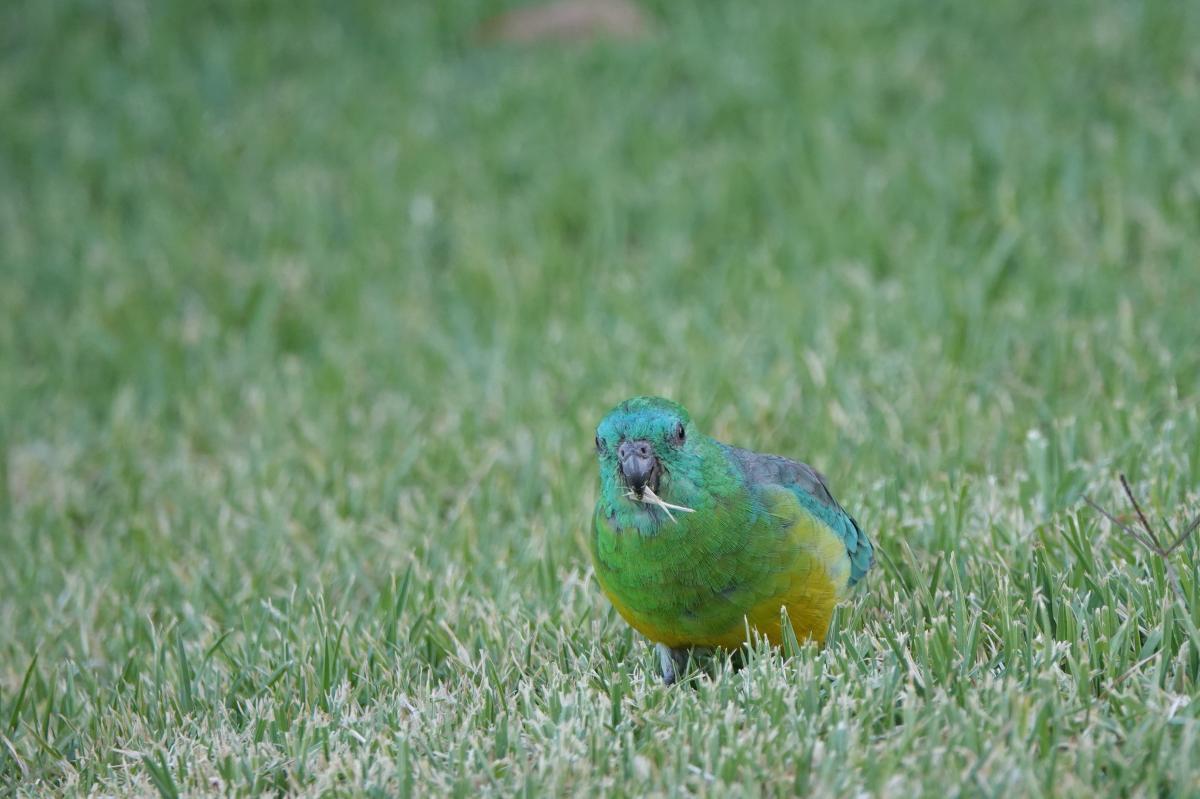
1141 539
648 497
1133 501
1185 535
1150 539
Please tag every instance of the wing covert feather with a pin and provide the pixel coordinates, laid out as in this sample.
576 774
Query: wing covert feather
810 488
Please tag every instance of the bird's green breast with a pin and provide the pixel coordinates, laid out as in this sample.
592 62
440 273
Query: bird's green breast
697 581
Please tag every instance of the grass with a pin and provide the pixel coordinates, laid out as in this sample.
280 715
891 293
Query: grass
307 315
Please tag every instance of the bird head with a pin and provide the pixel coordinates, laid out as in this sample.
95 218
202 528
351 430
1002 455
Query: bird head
646 443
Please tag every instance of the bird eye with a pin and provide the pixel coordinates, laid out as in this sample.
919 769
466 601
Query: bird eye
599 444
680 433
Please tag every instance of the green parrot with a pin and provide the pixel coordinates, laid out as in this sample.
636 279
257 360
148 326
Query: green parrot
693 539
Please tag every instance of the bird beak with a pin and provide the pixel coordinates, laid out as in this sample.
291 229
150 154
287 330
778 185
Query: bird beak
639 465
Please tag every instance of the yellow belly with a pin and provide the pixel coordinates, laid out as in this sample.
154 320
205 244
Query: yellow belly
809 608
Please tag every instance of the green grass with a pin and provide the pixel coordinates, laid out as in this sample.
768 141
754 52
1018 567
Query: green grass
308 310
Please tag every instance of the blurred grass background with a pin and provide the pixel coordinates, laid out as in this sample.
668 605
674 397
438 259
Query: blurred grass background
307 312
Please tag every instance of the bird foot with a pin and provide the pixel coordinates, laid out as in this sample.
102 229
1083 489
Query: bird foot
672 663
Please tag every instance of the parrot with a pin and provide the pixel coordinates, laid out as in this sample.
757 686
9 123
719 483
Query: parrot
695 541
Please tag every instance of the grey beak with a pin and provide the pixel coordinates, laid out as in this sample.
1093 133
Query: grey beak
637 461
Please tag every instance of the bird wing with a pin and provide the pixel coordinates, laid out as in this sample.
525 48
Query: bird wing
809 487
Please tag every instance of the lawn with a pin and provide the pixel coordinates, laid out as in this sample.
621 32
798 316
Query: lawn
308 312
